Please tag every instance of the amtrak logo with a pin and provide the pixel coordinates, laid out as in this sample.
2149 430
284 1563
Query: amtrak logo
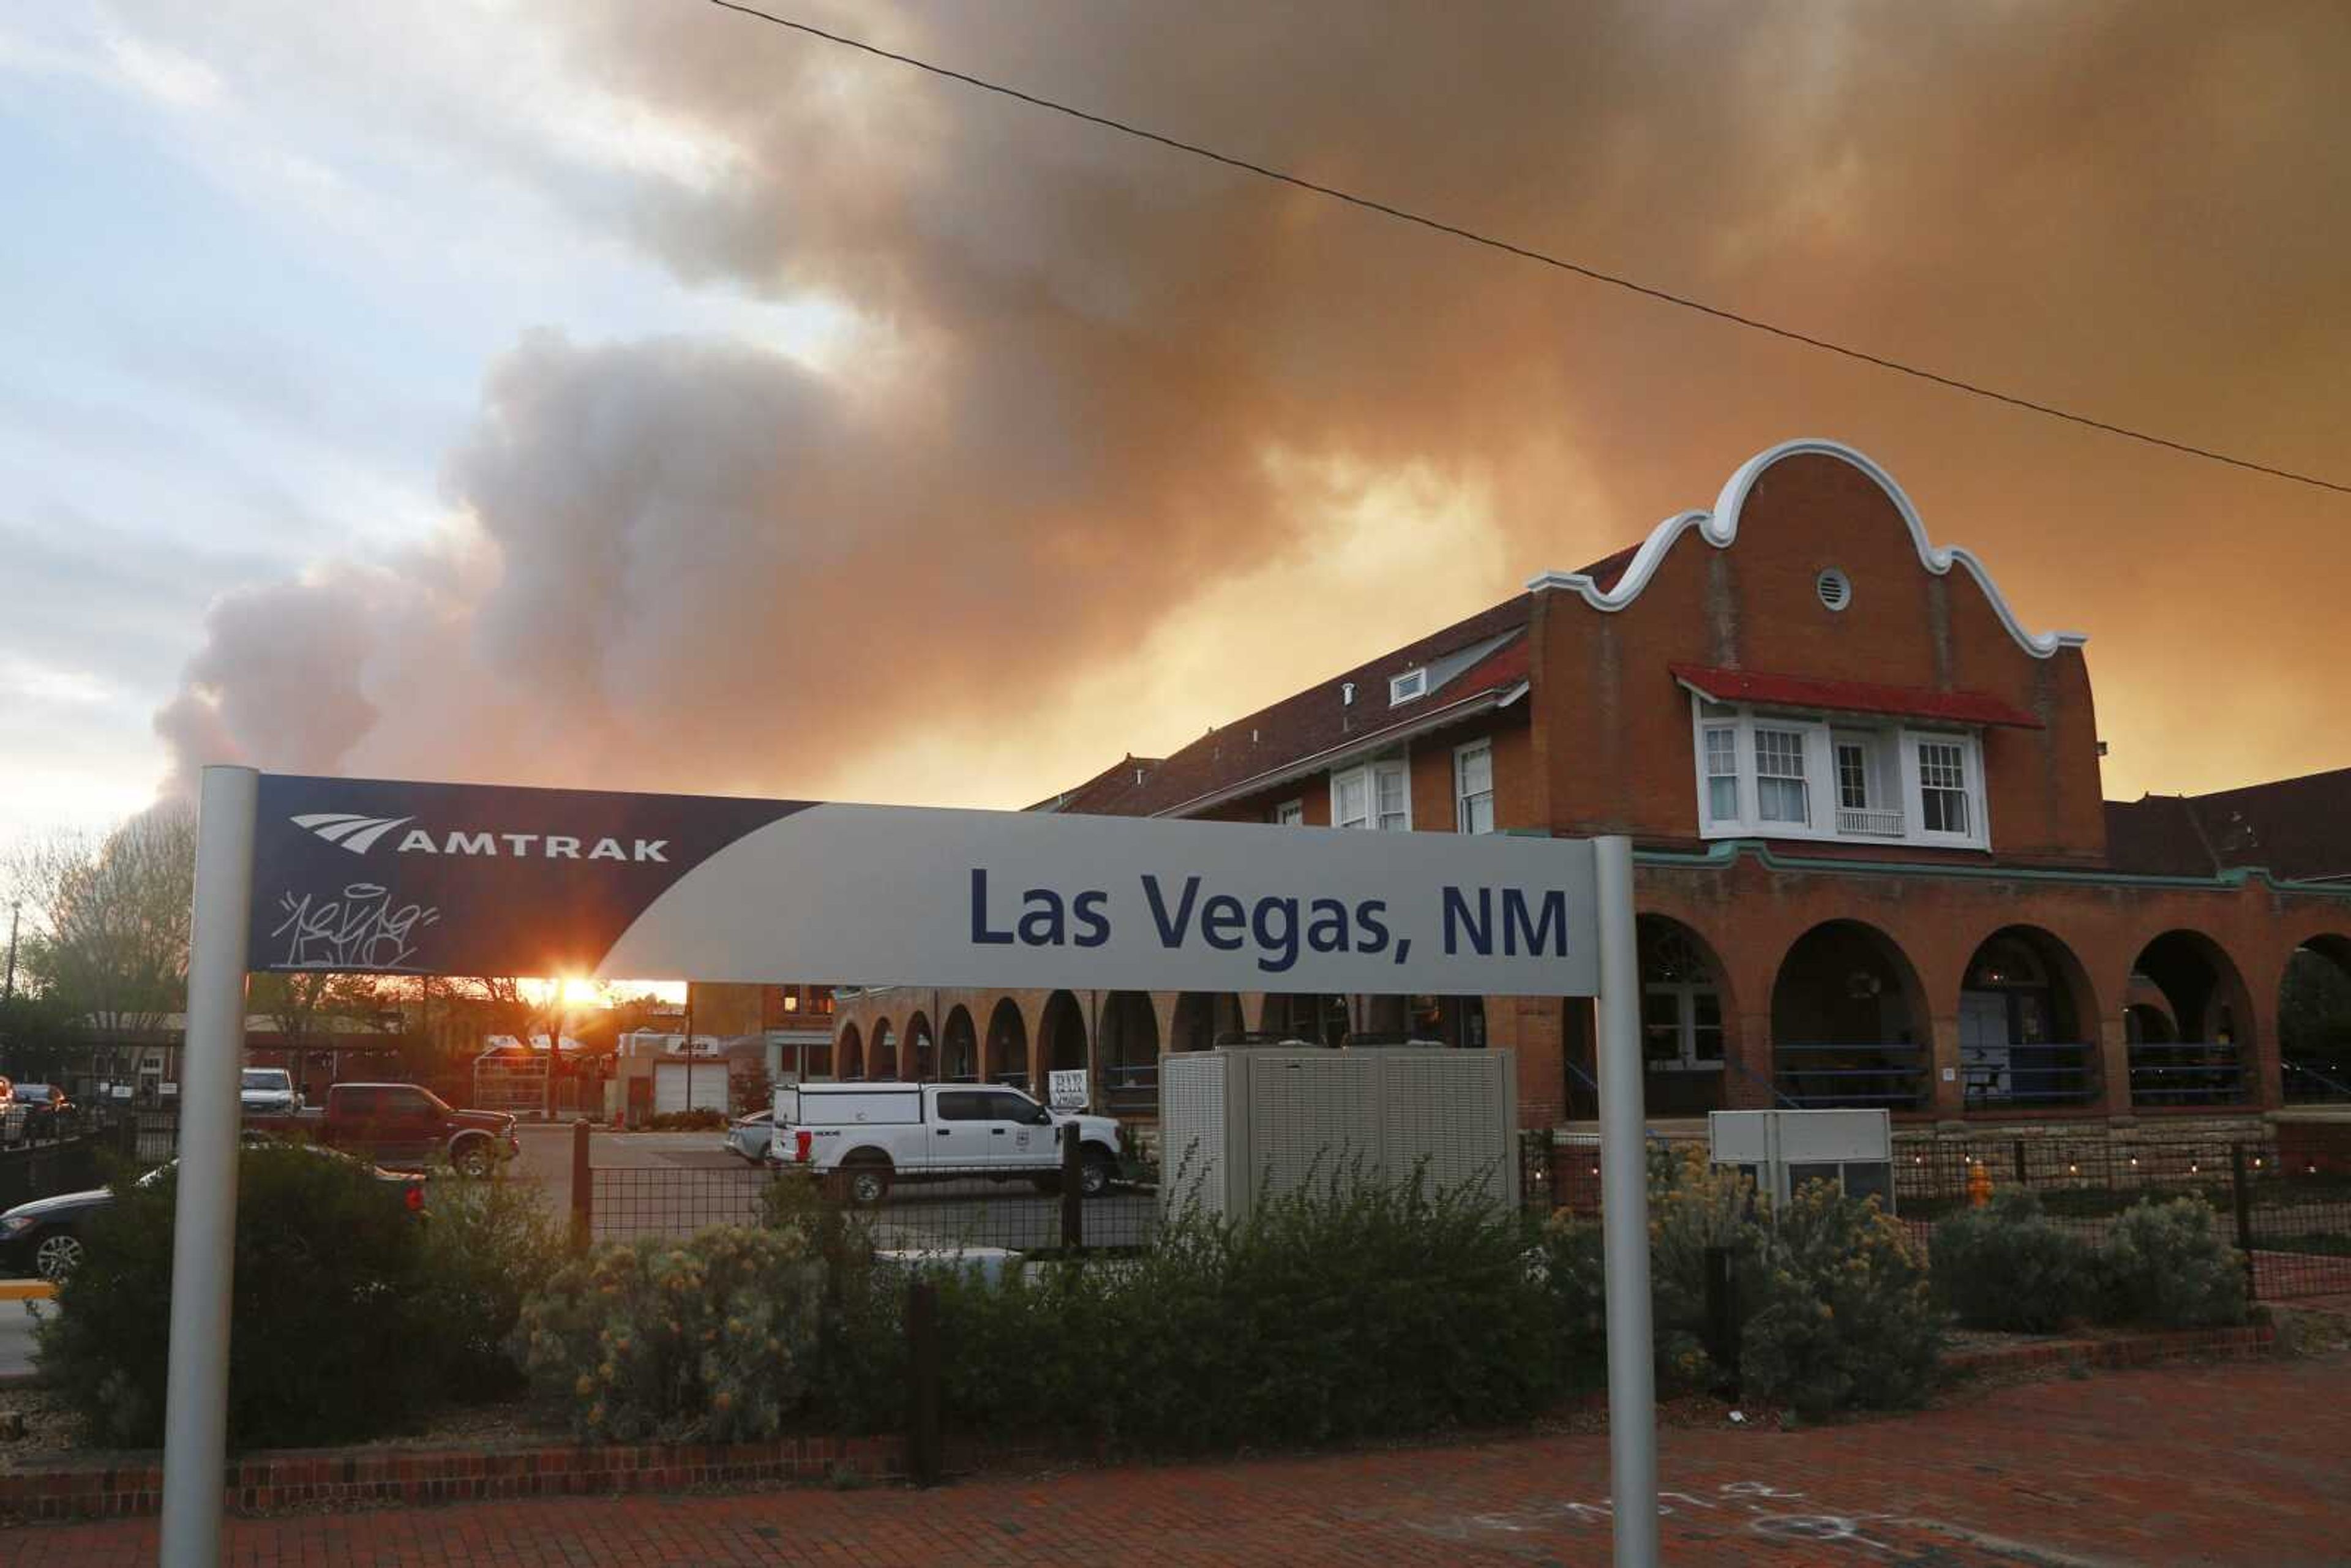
355 833
359 834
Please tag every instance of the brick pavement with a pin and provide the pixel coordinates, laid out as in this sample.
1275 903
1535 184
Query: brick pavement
2222 1464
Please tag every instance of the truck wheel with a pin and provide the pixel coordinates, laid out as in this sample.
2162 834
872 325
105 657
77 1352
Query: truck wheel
867 1185
472 1158
1094 1173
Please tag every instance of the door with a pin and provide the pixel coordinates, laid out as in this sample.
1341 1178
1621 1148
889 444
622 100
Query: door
1019 1132
409 1127
1984 1045
958 1136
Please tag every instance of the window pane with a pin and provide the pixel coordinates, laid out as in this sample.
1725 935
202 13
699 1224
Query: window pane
1391 791
1352 796
1722 799
1853 778
963 1107
1942 787
1781 800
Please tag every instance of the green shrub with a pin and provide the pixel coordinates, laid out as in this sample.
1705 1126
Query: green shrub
2166 1264
710 1339
1696 1207
487 1245
328 1331
2007 1267
1845 1316
1342 1310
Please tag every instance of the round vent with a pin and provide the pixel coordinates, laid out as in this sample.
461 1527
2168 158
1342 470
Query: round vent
1834 588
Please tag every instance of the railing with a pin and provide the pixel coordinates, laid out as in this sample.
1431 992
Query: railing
1869 824
1132 1087
2188 1074
2029 1077
1819 1077
2314 1082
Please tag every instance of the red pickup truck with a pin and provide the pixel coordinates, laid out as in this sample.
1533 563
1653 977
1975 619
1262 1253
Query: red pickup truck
400 1124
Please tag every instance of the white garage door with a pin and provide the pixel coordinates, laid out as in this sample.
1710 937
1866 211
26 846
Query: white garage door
669 1087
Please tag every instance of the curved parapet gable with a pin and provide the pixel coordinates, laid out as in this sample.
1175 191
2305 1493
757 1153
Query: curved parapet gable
1720 526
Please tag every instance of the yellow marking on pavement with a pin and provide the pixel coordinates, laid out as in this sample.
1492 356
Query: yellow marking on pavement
26 1291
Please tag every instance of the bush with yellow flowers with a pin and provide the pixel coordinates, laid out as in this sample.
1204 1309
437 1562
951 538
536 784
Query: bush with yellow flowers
710 1339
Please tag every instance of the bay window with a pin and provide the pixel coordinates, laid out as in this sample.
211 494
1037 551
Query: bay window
1778 774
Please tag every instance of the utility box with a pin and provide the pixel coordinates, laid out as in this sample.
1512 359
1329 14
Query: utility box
1239 1125
1782 1150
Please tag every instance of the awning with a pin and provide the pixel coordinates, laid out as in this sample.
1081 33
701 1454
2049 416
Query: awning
1852 696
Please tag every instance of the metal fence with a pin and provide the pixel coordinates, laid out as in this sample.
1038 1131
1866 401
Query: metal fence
946 1209
2284 1201
44 1168
2287 1212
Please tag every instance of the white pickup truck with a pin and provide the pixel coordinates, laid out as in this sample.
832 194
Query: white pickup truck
867 1135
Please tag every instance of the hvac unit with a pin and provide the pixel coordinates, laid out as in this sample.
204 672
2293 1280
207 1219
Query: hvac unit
1240 1126
1782 1150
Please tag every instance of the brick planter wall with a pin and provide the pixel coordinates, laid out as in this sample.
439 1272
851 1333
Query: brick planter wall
133 1483
2133 1350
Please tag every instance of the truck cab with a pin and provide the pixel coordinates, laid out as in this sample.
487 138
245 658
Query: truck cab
865 1137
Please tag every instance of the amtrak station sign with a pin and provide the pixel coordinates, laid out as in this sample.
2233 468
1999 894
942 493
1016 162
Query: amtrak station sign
377 877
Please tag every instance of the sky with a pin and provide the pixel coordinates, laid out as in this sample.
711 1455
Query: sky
631 394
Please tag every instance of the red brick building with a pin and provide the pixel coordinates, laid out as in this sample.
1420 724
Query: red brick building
1874 862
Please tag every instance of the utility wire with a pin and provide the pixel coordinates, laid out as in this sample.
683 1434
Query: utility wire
1405 214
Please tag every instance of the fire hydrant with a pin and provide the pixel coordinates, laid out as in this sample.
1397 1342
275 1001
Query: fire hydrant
1978 1183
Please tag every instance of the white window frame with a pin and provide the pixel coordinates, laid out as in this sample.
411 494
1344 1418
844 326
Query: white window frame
1369 775
1410 686
1462 794
1893 772
1289 814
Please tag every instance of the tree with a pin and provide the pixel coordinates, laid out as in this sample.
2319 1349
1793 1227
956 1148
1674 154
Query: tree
111 918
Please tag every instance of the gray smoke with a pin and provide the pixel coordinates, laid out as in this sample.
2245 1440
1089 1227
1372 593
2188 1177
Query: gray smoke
696 563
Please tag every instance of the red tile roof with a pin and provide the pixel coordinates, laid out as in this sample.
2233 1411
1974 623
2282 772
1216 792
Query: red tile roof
1852 696
1316 723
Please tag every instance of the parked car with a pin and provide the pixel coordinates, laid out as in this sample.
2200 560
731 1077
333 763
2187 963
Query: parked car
402 1124
268 1092
46 1238
35 1111
750 1136
864 1137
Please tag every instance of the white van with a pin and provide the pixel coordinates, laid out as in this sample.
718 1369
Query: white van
869 1135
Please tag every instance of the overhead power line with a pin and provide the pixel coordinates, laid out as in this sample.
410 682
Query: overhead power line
1527 253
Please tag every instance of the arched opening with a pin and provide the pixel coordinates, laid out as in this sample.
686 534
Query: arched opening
2025 1025
1848 1021
959 1048
1682 1036
2314 1022
922 1049
1459 1021
849 1055
1203 1019
2148 1022
884 1065
1129 1049
1304 1016
1006 1060
1061 1035
2206 1063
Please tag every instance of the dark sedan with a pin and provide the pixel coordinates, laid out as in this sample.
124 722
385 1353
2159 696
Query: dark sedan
45 1238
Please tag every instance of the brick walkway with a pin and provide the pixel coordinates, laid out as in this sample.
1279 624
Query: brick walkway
2241 1464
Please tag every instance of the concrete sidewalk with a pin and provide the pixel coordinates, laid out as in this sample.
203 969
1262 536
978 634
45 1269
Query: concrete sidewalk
2244 1463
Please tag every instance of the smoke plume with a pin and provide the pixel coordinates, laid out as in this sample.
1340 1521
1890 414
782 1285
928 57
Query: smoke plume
1093 382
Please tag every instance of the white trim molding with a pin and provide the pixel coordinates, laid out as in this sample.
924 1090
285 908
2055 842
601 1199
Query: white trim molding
1719 527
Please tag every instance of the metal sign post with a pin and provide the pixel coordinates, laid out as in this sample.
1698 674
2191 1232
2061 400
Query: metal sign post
378 876
1624 1216
204 1254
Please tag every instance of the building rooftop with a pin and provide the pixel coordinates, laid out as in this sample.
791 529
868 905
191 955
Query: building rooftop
2299 828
